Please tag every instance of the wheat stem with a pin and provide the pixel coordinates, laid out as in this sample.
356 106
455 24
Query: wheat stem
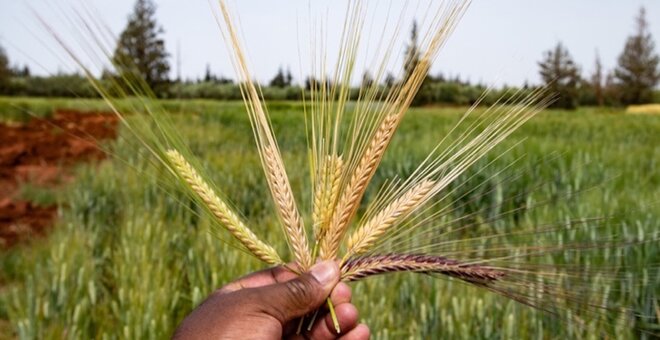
333 315
227 217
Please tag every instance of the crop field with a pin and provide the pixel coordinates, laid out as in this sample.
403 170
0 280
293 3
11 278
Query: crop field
128 256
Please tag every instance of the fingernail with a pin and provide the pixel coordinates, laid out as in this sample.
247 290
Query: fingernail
325 272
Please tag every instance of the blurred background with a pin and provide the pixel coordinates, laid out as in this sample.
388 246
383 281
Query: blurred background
91 248
500 43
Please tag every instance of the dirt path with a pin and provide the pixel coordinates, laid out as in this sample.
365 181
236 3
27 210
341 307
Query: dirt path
41 152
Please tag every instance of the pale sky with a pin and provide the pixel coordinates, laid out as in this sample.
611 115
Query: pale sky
498 41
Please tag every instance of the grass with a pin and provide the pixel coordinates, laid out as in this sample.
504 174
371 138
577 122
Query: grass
128 261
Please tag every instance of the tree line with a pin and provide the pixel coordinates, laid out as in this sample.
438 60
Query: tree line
141 55
632 81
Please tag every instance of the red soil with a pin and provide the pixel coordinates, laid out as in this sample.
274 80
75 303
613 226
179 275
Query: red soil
42 152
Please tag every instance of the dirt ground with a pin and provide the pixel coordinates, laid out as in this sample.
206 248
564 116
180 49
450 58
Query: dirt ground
41 152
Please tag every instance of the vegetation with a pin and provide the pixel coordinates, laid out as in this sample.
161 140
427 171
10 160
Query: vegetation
532 229
140 50
4 71
638 72
282 79
632 82
127 259
597 83
561 76
59 85
413 54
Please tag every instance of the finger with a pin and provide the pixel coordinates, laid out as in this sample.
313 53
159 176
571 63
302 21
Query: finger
294 298
341 294
347 315
261 278
361 332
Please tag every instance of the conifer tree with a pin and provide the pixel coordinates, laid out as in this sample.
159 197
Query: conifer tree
597 80
141 50
637 72
5 72
562 76
412 53
280 80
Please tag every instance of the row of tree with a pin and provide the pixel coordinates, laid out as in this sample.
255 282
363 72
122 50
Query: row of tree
633 81
141 54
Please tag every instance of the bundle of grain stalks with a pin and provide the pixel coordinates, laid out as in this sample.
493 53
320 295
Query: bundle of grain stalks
410 224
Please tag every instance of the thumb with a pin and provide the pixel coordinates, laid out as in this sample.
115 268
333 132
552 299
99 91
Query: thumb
292 299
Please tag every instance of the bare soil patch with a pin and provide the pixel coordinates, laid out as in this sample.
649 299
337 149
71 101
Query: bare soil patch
41 152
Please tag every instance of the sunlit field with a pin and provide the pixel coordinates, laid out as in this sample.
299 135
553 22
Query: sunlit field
129 256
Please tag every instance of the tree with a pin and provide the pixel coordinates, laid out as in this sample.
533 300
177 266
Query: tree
390 81
313 84
637 72
5 72
561 75
289 77
597 80
367 80
208 76
281 79
611 90
140 50
412 59
412 54
25 72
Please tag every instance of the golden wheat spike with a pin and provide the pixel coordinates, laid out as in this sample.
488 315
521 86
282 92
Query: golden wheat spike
327 193
271 159
365 236
319 198
371 157
351 196
227 217
293 225
320 195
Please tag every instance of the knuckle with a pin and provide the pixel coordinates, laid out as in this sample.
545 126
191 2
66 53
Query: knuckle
300 292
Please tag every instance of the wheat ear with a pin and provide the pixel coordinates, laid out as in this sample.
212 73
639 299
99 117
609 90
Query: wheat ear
272 162
365 236
286 206
362 267
228 218
352 195
326 194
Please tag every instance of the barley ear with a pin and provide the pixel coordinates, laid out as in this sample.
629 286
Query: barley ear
325 198
286 207
366 235
326 194
267 145
362 267
352 195
225 215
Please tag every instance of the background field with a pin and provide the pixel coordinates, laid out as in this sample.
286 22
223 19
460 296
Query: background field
128 261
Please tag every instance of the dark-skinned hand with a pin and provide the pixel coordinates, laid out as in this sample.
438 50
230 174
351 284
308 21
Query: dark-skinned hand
269 304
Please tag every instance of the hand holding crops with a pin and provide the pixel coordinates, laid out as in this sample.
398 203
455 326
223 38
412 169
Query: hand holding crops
420 223
267 304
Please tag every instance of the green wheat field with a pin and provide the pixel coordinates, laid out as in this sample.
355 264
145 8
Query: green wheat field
129 257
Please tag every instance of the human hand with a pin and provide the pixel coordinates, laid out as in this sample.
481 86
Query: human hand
268 305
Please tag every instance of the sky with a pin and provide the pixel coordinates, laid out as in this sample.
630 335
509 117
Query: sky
497 41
